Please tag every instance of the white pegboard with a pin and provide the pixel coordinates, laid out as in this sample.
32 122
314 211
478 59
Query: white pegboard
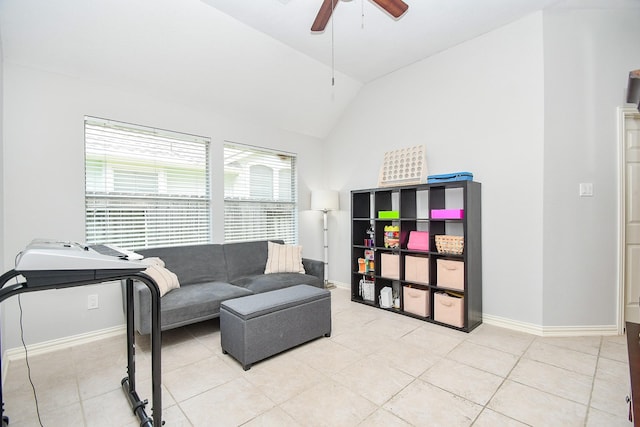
405 166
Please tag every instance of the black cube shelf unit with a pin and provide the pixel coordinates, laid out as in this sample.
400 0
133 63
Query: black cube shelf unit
414 205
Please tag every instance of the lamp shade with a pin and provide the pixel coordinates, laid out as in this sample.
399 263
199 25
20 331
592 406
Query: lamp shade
324 200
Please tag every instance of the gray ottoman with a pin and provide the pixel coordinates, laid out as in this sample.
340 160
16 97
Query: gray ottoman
257 326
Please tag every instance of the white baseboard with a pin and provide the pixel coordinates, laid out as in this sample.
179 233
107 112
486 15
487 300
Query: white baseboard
550 331
18 353
514 325
580 331
341 285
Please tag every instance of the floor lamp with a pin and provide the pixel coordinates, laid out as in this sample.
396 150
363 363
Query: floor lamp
325 201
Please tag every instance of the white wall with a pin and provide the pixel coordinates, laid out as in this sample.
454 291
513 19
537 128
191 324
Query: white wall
530 109
1 157
2 225
588 56
44 181
477 107
184 51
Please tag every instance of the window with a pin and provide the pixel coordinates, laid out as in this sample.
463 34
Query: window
260 194
145 187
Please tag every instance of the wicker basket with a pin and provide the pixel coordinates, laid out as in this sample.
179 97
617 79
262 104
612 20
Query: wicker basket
366 289
450 244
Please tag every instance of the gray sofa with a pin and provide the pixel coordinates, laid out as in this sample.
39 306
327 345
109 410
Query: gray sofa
210 274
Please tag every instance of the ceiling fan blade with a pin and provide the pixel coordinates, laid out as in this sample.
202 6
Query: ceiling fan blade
395 8
324 14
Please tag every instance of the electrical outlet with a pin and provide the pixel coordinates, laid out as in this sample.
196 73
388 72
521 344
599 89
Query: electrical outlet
92 302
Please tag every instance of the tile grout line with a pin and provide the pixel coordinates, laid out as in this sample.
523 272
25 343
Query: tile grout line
484 407
593 382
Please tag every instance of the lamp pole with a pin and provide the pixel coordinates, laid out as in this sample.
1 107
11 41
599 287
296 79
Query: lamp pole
325 201
326 247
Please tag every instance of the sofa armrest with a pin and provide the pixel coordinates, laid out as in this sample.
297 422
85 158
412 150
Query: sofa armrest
314 268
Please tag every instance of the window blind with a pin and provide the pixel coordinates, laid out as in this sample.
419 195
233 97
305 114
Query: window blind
260 194
145 187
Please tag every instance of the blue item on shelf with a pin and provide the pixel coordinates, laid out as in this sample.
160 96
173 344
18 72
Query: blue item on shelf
448 177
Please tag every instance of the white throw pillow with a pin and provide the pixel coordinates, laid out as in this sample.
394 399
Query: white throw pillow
166 280
284 259
153 261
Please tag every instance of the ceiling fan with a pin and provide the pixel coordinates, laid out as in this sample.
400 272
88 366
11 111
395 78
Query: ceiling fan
395 8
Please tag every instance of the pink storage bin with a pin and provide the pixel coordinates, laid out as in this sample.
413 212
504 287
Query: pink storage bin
450 274
416 269
416 301
390 266
447 213
418 241
448 309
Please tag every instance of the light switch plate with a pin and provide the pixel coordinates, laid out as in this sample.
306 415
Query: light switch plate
586 189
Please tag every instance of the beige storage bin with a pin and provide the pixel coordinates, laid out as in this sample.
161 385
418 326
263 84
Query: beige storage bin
450 274
416 269
448 309
390 267
415 301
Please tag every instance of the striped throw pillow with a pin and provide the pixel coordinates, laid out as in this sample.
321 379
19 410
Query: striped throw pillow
284 259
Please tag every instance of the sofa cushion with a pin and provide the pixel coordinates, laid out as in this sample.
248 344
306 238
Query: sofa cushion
192 263
203 299
246 258
283 259
269 282
188 304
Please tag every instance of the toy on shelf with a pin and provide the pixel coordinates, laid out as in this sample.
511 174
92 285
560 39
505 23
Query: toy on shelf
371 240
362 265
392 236
404 166
369 257
450 177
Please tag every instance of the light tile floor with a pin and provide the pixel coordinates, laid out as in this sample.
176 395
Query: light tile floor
377 369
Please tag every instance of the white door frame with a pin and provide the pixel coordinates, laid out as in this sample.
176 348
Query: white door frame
623 114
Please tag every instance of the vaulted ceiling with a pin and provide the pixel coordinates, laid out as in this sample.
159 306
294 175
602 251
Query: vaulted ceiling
255 59
364 42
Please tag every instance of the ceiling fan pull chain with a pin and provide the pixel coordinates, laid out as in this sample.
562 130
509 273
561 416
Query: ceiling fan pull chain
362 13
